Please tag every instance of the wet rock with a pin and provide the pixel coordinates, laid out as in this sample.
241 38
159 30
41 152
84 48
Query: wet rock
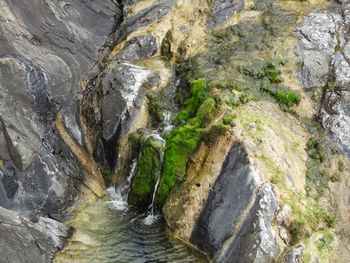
124 87
148 171
236 223
47 48
24 241
223 10
153 13
138 48
317 42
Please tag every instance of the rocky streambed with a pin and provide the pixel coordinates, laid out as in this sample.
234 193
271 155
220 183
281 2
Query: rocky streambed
222 125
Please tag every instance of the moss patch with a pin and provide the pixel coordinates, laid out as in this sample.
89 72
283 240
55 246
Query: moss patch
147 172
198 111
308 217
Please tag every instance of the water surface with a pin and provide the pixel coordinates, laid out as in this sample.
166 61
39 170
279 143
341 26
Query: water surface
108 231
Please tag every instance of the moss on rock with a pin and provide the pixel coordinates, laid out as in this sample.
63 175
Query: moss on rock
147 172
180 143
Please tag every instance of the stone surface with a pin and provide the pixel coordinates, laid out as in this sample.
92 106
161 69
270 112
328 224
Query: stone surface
235 222
324 50
124 87
46 49
224 9
24 241
317 42
138 48
151 14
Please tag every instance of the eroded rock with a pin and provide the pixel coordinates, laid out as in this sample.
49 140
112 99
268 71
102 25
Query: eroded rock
236 223
24 241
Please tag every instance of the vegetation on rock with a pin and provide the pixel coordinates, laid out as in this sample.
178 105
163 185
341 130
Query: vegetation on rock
147 172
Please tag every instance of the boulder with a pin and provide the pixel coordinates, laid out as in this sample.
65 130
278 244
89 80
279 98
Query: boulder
235 224
138 48
317 42
24 241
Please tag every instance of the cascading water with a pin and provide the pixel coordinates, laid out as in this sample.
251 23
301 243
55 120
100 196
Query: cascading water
112 231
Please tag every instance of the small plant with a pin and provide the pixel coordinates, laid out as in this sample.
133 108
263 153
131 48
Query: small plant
210 136
325 243
308 217
315 150
341 166
244 98
228 119
288 98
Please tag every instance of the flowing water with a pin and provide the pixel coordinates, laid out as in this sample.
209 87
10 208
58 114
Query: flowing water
111 231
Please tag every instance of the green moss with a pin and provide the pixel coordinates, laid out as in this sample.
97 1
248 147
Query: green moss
180 143
308 217
272 72
277 176
341 166
244 98
325 243
288 98
316 150
284 97
228 119
147 172
155 110
206 111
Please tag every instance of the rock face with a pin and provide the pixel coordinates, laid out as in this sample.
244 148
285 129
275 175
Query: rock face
318 39
235 222
325 52
223 10
24 241
138 48
46 49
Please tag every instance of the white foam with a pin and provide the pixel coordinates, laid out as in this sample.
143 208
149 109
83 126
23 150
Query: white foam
150 219
117 202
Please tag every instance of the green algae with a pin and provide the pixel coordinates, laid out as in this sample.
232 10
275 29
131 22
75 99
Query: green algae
147 173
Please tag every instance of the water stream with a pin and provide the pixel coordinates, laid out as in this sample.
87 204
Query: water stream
110 231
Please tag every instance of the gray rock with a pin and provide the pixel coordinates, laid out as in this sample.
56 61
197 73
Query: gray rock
256 240
127 4
46 48
24 241
138 48
224 9
294 255
153 13
263 4
236 223
317 42
123 87
337 121
324 49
